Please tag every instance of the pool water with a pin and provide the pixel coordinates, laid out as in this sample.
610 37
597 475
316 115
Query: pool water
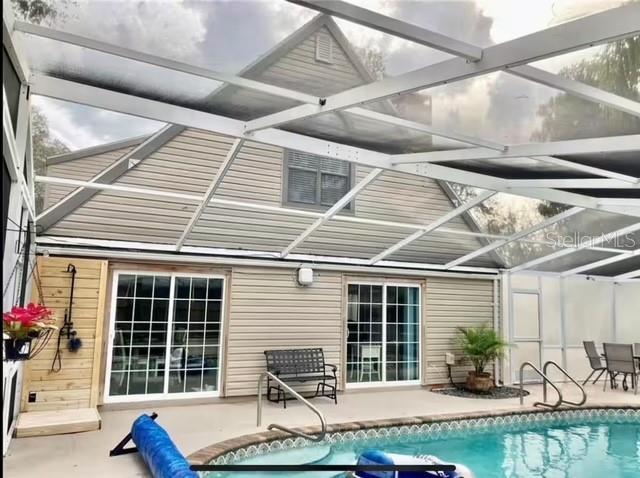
585 450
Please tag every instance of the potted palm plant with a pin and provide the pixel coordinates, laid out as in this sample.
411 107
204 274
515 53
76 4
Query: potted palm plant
481 346
23 325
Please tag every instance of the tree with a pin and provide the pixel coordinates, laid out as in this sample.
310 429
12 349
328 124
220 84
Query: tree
41 11
44 146
615 69
373 61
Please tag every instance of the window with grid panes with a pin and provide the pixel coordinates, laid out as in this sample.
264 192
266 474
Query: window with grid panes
315 181
166 335
383 333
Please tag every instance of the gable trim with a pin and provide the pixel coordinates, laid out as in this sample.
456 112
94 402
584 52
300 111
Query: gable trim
95 150
111 173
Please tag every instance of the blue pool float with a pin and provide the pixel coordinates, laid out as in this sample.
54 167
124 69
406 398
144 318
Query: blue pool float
158 450
378 457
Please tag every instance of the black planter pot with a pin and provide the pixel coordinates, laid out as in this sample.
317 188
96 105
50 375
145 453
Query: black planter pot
17 349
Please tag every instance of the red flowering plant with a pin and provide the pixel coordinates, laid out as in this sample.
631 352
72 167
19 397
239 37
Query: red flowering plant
28 322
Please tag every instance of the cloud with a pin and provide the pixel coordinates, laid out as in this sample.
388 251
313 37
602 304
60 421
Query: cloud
81 126
169 28
227 35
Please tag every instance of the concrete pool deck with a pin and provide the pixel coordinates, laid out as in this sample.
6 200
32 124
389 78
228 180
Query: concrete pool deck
196 426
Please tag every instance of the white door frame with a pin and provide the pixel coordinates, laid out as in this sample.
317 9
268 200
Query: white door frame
164 395
384 383
513 339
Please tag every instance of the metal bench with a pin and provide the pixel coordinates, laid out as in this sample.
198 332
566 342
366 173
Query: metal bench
301 366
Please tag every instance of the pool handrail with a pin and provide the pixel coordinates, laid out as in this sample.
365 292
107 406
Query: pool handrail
545 379
566 374
315 438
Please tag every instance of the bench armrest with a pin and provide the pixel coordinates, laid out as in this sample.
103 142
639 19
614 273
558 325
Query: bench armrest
330 365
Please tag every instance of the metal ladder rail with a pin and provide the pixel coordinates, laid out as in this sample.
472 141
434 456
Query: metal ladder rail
545 379
323 422
566 374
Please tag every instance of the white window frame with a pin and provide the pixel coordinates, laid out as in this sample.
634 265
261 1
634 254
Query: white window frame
384 382
112 320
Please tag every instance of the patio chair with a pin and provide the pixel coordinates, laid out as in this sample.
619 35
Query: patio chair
619 359
594 360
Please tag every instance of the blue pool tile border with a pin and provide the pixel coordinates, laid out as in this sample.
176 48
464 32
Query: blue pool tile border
439 426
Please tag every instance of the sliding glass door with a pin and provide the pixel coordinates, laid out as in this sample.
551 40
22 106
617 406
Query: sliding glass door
165 337
383 333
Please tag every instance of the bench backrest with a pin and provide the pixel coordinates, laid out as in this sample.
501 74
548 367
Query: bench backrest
295 361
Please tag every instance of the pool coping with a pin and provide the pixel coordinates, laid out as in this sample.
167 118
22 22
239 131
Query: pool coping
212 452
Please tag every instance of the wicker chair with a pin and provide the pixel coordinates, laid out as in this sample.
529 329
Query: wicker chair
594 360
619 359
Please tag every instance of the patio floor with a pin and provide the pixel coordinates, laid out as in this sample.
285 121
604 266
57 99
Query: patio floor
195 426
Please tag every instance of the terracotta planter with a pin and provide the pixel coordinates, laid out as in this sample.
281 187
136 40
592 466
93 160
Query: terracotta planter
17 349
479 382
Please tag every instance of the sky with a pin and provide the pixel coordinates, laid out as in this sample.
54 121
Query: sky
228 35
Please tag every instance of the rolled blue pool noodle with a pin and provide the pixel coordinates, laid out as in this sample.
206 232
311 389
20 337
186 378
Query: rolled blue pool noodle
158 450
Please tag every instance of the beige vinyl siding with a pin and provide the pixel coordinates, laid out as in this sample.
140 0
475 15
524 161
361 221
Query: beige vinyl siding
453 303
82 169
297 69
189 162
269 311
300 70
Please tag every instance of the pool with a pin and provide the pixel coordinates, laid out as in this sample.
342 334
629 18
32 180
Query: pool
580 443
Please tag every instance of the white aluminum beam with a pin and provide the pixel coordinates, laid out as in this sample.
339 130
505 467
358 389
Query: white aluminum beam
584 32
16 162
240 204
57 245
434 225
167 113
580 183
331 212
11 44
621 256
576 88
514 237
151 109
115 187
78 197
587 169
135 55
628 275
23 121
84 42
211 190
392 26
611 144
586 245
425 128
422 36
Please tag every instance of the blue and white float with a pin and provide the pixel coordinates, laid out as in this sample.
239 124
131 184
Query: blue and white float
158 450
377 457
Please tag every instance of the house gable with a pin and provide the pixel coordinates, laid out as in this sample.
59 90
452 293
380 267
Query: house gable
188 162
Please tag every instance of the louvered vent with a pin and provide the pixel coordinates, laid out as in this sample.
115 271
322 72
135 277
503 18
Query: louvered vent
324 48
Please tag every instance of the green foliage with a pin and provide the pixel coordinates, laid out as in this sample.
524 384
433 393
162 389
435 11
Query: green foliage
615 69
44 146
481 345
373 61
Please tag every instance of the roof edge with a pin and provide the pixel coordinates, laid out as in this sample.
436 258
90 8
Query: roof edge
93 150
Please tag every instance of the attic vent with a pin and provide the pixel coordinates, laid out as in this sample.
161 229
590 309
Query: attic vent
324 48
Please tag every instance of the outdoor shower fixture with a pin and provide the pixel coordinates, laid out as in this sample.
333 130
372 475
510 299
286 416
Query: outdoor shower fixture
67 330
